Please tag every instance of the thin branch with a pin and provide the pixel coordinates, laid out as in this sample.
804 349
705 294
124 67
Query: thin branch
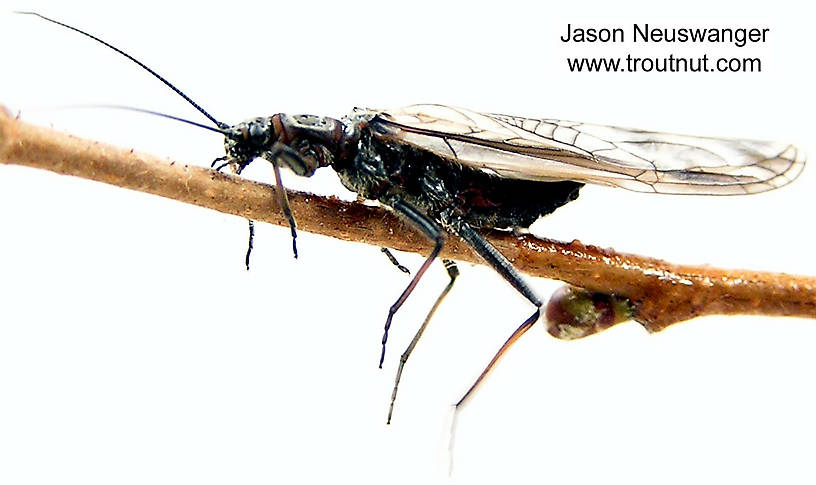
663 293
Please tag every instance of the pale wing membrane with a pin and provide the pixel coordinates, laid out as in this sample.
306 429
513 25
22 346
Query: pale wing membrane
550 150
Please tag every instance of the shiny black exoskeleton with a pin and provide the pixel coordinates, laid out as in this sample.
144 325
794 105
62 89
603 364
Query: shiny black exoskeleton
434 194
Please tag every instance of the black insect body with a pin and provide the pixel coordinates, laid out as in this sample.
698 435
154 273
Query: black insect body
385 168
450 170
425 188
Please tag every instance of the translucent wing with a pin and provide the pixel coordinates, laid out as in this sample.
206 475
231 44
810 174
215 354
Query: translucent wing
549 150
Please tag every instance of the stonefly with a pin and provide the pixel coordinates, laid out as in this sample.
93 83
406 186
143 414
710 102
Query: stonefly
451 170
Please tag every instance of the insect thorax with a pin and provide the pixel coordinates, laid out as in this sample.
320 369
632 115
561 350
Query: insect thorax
384 168
302 143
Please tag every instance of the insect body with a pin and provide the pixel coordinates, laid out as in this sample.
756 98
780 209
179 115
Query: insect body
450 170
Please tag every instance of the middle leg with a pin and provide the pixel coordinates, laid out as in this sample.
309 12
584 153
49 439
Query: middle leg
430 229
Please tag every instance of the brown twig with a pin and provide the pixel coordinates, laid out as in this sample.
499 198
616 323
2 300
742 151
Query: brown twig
663 293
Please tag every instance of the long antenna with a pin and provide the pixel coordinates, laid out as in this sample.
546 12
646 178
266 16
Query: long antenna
151 71
221 131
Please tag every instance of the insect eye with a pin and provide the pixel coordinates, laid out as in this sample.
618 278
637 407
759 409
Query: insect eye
256 131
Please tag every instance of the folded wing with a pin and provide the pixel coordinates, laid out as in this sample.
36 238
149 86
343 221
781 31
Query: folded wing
551 150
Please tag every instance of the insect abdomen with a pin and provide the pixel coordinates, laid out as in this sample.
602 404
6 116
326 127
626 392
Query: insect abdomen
384 168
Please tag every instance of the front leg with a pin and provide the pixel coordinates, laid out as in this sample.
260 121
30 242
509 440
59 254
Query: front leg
282 153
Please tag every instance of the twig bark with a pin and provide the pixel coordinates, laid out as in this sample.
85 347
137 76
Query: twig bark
663 293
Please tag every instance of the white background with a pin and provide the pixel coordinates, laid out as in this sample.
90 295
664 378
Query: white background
135 348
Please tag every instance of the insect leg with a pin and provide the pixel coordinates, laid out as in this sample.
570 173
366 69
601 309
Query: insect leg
494 258
221 165
517 333
453 272
509 272
236 169
274 155
238 165
434 232
250 242
283 200
394 261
